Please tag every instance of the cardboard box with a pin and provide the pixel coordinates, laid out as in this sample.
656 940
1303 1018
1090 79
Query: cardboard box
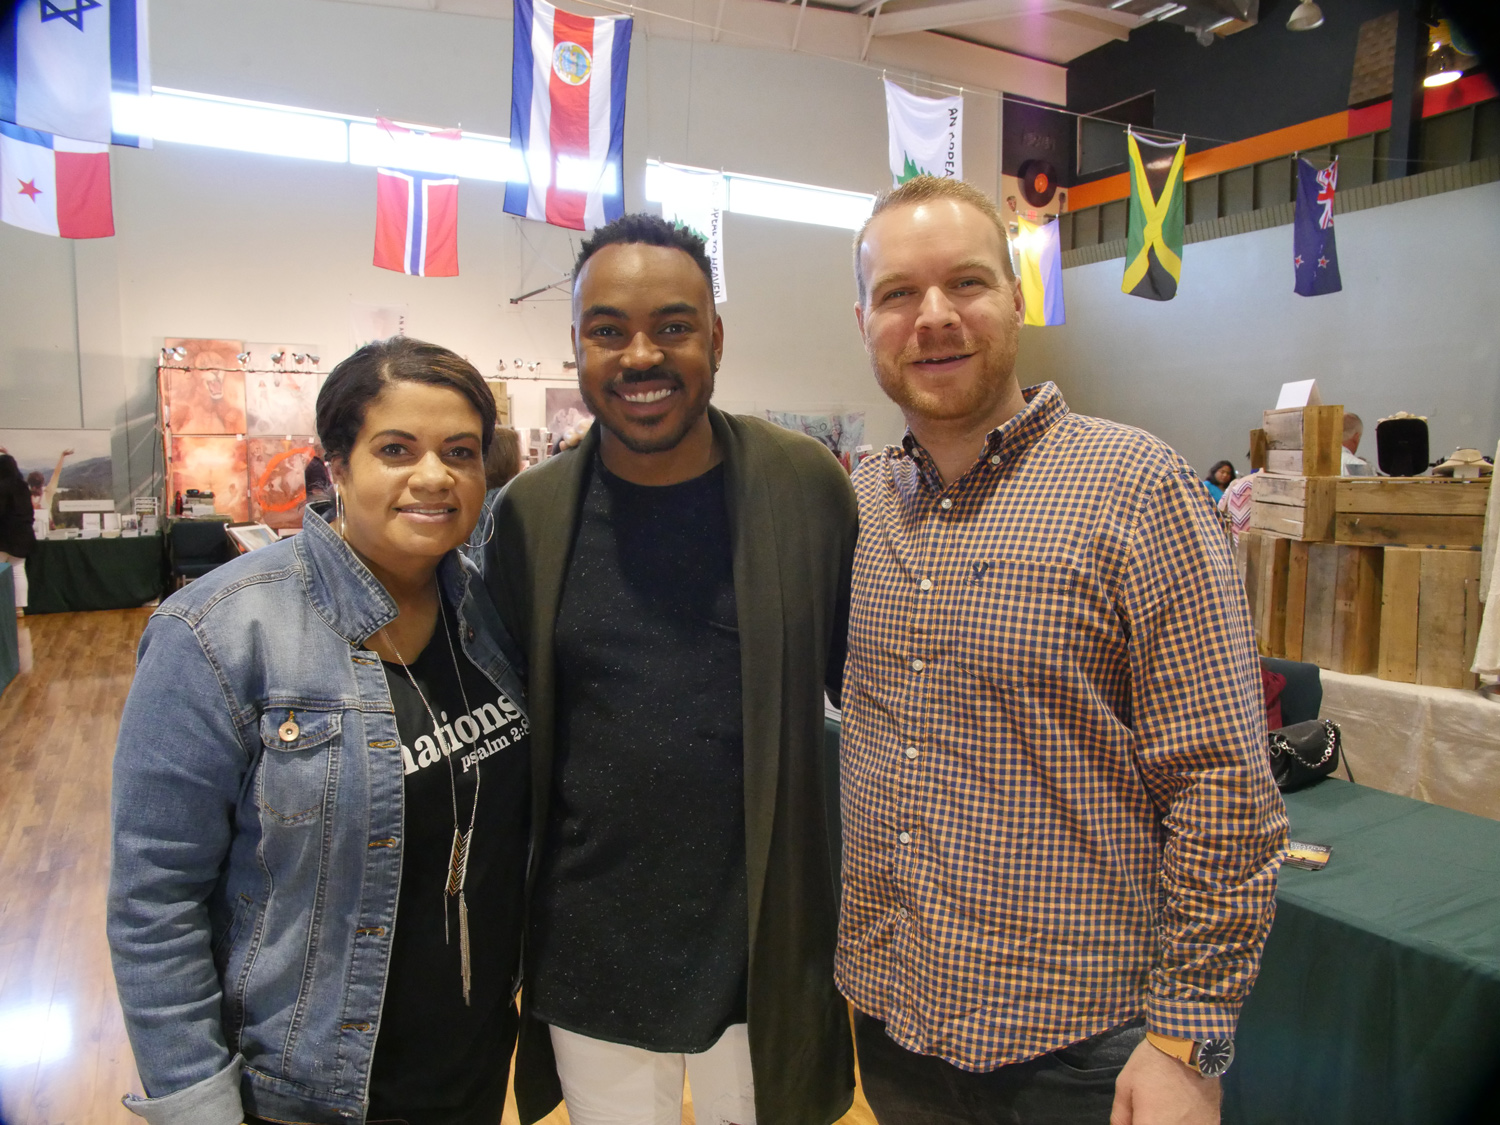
1294 507
1341 607
1429 617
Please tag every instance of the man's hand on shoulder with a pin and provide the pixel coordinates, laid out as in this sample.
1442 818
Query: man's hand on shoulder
1156 1089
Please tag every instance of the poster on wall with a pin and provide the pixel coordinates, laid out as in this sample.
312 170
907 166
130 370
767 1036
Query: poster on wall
566 410
843 433
281 388
210 463
277 487
202 388
75 464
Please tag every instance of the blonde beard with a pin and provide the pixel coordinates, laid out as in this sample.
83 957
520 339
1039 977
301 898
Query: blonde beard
974 400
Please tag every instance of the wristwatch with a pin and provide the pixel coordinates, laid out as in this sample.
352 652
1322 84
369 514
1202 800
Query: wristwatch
1209 1057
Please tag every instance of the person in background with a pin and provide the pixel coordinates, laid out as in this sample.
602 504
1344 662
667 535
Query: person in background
17 532
1218 479
316 486
1351 464
501 464
1061 835
43 492
321 792
682 595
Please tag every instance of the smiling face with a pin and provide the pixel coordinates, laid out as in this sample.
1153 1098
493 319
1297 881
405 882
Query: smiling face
941 319
648 342
413 483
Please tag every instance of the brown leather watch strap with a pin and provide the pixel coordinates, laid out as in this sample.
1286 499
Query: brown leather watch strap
1180 1049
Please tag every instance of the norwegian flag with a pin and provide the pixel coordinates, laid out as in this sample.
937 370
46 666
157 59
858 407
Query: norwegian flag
567 115
416 223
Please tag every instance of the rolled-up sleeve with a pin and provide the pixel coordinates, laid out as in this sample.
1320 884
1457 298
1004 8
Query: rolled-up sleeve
179 765
1200 721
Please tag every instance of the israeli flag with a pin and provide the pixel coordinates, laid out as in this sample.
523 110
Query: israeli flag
62 61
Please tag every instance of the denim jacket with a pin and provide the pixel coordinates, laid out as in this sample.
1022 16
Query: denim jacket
257 809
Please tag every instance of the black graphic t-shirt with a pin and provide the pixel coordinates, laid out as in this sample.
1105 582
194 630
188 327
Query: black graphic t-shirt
437 1060
640 919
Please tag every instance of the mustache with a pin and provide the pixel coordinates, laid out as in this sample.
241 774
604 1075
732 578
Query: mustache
650 375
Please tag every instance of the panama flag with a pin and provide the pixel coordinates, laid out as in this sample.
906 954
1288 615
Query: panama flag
416 223
926 135
1039 269
54 186
62 60
567 115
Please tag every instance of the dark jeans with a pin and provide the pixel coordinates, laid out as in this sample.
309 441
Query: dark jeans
1071 1086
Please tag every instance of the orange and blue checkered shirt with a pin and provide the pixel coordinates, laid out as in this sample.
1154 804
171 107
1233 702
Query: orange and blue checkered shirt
1058 811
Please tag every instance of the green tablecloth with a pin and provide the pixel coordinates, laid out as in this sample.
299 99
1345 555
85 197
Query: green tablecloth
67 575
10 650
1379 994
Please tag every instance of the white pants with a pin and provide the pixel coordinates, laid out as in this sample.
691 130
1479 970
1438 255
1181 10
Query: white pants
612 1084
18 573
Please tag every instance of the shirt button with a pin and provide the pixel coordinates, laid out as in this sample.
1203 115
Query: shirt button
995 459
945 503
910 751
917 665
904 837
925 584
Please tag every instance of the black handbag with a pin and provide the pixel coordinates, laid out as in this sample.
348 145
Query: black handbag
1304 753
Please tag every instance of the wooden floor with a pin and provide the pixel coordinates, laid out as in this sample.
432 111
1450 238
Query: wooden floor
64 1058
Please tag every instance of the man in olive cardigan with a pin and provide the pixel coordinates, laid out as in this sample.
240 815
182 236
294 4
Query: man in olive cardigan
680 583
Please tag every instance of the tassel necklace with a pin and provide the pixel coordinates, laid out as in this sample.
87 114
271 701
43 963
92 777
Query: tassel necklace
458 858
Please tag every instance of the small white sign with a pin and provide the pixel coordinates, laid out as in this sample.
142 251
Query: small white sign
1301 393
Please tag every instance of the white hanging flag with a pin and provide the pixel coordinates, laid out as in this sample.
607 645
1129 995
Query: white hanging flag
695 198
927 135
61 64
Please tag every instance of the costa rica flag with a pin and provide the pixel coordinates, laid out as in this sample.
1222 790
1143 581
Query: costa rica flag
567 115
416 223
53 185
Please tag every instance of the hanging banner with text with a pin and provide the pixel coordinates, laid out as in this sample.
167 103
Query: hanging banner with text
696 199
926 134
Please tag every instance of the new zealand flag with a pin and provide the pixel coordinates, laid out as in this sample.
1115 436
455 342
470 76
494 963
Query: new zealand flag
1315 254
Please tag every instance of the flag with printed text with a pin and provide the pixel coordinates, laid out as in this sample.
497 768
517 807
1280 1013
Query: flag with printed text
695 199
567 115
926 135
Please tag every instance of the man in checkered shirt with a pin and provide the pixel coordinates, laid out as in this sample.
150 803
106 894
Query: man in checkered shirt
1061 835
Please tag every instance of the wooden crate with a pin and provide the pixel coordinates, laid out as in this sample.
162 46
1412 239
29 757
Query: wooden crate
1262 561
1341 607
1304 441
1429 616
1415 512
1296 507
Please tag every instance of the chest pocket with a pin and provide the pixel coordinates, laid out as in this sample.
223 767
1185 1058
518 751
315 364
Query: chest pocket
1018 619
297 765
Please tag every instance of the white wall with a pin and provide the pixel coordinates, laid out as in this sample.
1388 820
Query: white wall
1417 327
216 243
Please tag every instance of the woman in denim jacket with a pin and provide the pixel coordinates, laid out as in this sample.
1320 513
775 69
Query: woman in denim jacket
321 793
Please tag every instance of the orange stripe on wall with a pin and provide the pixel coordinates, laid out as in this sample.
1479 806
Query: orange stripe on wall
1294 138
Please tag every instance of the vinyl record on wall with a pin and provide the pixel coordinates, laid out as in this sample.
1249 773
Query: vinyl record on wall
1038 182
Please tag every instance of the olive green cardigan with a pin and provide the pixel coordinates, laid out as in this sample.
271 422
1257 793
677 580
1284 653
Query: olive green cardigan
793 522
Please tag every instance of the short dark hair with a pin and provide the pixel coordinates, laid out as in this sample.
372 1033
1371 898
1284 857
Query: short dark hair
648 230
503 461
358 380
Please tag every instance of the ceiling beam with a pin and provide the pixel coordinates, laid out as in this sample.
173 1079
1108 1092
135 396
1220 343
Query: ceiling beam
1091 23
959 12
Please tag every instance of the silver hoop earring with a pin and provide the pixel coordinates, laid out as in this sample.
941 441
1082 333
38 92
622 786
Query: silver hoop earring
338 510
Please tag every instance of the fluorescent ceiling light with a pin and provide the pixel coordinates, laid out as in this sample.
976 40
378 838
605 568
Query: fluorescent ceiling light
579 173
471 156
799 203
198 119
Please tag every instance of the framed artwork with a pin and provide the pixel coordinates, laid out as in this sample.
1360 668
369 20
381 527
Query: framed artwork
278 403
565 409
207 400
73 464
277 487
210 463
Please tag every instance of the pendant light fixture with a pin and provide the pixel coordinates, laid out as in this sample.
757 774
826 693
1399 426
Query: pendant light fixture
1305 17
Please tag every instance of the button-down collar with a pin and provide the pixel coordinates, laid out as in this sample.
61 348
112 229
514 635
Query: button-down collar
1002 445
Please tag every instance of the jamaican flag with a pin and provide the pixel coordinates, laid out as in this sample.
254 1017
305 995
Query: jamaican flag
1153 249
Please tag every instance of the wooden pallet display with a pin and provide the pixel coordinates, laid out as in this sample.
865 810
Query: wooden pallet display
1429 617
1304 441
1410 511
1294 507
1341 607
